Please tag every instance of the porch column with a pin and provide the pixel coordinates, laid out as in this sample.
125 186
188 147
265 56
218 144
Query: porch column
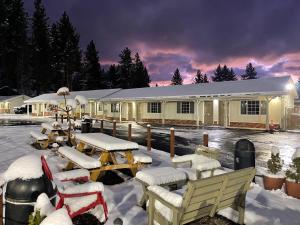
103 115
43 107
283 115
90 109
225 113
163 110
216 111
203 112
268 99
120 111
96 108
197 112
137 108
80 111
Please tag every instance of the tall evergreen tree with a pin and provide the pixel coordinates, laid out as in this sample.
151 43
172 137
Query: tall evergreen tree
140 76
92 69
231 75
125 71
40 45
205 79
218 74
250 72
176 79
3 27
15 45
69 52
113 76
200 78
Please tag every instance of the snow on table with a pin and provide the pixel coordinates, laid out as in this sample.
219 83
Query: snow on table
79 158
160 175
38 136
106 142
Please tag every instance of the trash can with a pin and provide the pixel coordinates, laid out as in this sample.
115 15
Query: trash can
86 125
244 154
21 195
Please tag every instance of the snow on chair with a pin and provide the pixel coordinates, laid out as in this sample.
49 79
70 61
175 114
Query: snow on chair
79 198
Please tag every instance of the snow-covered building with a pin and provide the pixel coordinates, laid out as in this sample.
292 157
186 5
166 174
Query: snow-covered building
237 104
7 103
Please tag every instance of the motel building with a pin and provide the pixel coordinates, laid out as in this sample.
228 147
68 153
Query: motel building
253 104
7 103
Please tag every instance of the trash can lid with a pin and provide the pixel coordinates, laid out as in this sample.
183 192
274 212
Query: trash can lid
244 145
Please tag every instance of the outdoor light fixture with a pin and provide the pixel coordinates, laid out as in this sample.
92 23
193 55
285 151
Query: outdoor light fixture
289 86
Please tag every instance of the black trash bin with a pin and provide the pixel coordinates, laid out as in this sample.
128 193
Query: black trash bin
21 195
244 154
86 125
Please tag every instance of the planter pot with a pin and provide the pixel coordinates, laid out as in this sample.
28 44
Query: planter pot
292 189
271 183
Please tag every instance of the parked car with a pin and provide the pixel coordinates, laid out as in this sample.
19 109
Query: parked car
21 109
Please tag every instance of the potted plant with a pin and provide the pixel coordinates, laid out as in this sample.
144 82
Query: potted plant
293 176
274 178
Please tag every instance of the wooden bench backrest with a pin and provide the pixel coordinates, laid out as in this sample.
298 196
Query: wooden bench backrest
207 196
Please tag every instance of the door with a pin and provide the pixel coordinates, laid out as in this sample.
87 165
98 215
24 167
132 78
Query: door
221 113
208 113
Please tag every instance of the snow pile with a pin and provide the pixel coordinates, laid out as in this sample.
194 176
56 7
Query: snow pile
160 175
38 136
296 153
72 174
142 158
79 158
55 145
85 188
81 100
106 142
26 167
58 217
44 205
274 150
63 91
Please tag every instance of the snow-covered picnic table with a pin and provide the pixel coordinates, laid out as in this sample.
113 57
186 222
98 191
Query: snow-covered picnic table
110 149
55 131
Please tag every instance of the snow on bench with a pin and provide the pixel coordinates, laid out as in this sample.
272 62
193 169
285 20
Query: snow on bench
106 142
59 216
142 158
38 136
199 162
79 158
72 174
49 126
84 188
160 175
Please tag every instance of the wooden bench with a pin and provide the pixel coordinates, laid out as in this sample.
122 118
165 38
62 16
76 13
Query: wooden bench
201 198
41 141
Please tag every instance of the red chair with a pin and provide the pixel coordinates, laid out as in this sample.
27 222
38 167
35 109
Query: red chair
90 199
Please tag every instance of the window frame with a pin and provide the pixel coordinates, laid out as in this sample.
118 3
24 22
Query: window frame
115 107
252 107
186 107
154 107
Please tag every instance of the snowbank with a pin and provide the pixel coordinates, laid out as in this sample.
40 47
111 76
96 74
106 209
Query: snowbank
296 153
58 217
44 205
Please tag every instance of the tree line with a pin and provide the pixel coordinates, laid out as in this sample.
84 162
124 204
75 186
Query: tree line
221 73
36 57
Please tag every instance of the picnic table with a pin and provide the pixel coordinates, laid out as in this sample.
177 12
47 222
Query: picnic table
55 132
109 148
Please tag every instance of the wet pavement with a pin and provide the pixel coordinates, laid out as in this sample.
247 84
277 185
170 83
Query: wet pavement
187 139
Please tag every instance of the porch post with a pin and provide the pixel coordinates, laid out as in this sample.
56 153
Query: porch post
103 115
225 113
96 108
267 113
163 104
137 108
120 111
90 103
283 116
197 112
43 107
203 112
28 109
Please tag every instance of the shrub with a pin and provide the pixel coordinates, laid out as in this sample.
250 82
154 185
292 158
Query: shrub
274 164
294 172
35 218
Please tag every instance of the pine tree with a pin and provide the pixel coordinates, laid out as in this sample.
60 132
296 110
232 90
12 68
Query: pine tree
205 79
15 45
92 68
218 74
231 75
69 52
140 77
250 72
3 27
40 45
125 71
176 79
113 76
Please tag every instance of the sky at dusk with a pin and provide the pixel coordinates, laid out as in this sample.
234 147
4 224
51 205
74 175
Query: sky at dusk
191 34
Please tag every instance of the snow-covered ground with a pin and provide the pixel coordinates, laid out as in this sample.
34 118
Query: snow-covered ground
263 207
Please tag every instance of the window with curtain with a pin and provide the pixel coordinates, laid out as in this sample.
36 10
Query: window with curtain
253 107
185 107
115 107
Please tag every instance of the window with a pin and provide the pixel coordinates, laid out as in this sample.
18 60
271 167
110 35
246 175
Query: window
100 107
185 107
115 107
253 107
154 107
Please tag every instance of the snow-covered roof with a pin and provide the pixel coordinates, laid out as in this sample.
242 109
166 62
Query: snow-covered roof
6 98
262 86
92 95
